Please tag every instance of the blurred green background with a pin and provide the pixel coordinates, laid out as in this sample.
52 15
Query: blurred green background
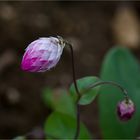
92 27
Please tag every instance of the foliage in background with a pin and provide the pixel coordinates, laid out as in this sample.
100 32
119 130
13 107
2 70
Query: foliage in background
119 66
62 121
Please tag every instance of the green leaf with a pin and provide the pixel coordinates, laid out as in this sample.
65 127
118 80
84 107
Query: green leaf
119 66
59 101
62 126
83 84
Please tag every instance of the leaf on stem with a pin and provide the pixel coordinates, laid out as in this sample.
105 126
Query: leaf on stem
87 96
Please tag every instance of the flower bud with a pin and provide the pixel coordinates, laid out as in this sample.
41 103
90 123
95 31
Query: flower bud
125 110
42 54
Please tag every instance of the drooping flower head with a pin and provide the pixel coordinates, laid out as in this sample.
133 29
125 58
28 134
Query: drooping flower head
42 54
125 110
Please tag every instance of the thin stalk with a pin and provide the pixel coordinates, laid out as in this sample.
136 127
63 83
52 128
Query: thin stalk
91 86
77 122
124 91
73 71
78 96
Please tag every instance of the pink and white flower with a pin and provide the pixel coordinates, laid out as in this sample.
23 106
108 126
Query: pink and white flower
42 54
125 110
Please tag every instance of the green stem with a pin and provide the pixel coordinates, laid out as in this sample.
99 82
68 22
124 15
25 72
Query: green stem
78 94
91 86
124 91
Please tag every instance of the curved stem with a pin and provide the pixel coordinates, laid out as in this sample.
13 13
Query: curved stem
78 94
73 71
124 91
91 86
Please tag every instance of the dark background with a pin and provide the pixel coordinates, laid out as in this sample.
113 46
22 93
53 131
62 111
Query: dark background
89 26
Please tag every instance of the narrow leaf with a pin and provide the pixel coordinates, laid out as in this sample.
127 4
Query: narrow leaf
83 84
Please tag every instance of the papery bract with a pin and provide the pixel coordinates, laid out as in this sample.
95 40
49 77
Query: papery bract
125 110
42 54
